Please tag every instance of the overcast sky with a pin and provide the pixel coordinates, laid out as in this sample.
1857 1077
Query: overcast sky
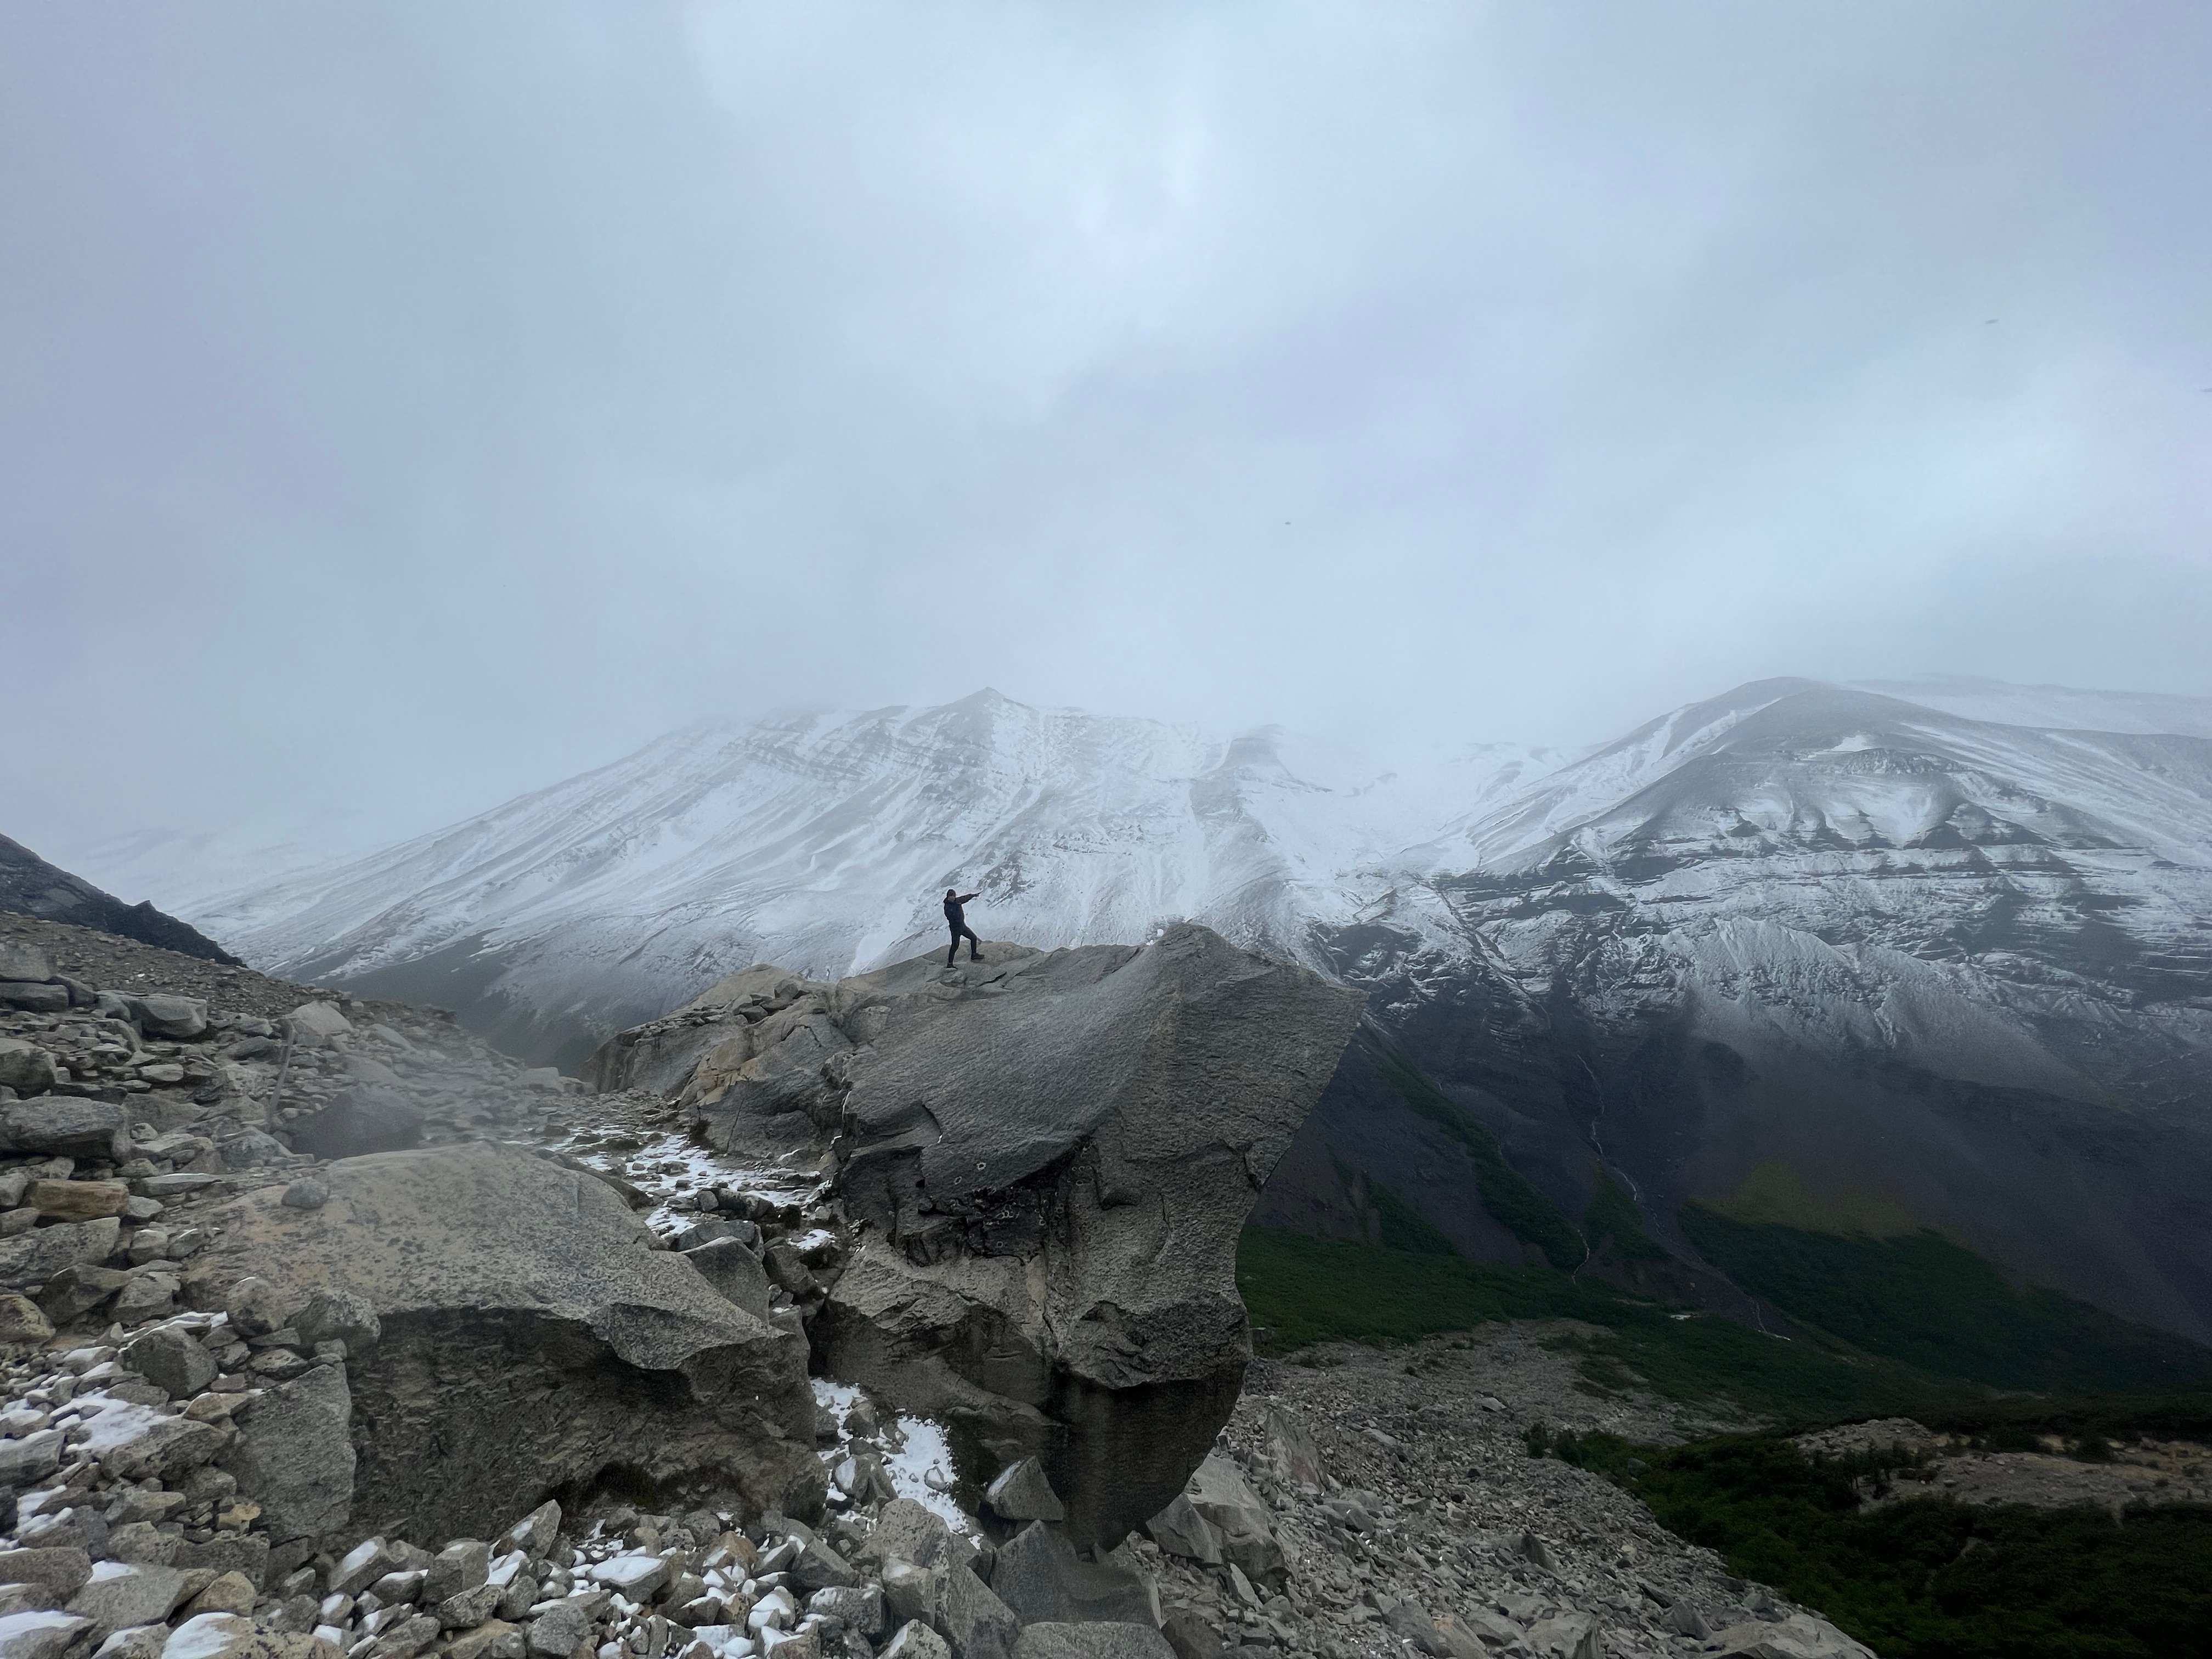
402 405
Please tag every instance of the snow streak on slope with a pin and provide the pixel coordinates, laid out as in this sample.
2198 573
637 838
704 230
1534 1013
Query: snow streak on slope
822 842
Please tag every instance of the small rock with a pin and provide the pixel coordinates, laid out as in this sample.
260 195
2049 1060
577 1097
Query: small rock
140 1642
143 1541
123 1594
1568 1635
173 1360
145 1295
255 1308
162 1016
633 1576
306 1194
1022 1493
819 1567
479 1642
339 1316
860 1607
463 1565
534 1534
1038 1574
21 960
467 1609
75 1291
974 1620
915 1640
34 999
555 1633
910 1592
36 1257
732 1270
777 1610
65 1571
77 1201
41 1635
24 1067
1191 1637
317 1022
27 1461
407 1639
230 1593
21 1319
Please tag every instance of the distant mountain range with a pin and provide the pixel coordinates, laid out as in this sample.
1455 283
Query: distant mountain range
1856 960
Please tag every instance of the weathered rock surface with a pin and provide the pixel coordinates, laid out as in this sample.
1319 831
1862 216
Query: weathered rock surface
366 1118
295 1456
663 1054
24 1067
65 1126
1045 1158
735 1272
33 1257
531 1340
1093 1640
1051 1157
1039 1576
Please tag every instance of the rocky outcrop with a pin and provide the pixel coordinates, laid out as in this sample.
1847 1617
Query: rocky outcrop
663 1054
1045 1159
532 1340
31 886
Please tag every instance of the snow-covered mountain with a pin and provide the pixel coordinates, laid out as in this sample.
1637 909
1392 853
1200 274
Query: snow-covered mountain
1943 948
1926 965
822 842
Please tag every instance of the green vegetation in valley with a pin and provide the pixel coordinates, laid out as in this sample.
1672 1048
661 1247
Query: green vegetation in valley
1403 1227
1612 1216
1303 1290
1932 1304
1507 1195
1927 1579
1398 1225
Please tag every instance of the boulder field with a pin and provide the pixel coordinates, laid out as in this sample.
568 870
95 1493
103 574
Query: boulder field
327 1333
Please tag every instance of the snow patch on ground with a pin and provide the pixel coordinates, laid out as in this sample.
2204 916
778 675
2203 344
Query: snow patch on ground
920 1466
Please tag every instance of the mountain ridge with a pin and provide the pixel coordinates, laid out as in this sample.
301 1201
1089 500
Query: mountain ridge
1960 965
30 886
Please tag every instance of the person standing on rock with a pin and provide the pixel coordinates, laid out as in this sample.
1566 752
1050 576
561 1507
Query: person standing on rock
956 919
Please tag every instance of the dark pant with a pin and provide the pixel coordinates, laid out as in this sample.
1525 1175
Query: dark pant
961 929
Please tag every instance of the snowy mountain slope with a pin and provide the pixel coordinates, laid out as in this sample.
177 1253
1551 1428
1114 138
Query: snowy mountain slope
822 842
1963 965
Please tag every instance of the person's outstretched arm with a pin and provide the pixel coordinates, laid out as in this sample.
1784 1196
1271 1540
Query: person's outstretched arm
964 897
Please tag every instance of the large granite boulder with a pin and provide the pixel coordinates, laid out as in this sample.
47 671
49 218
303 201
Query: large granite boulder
531 1341
1048 1156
